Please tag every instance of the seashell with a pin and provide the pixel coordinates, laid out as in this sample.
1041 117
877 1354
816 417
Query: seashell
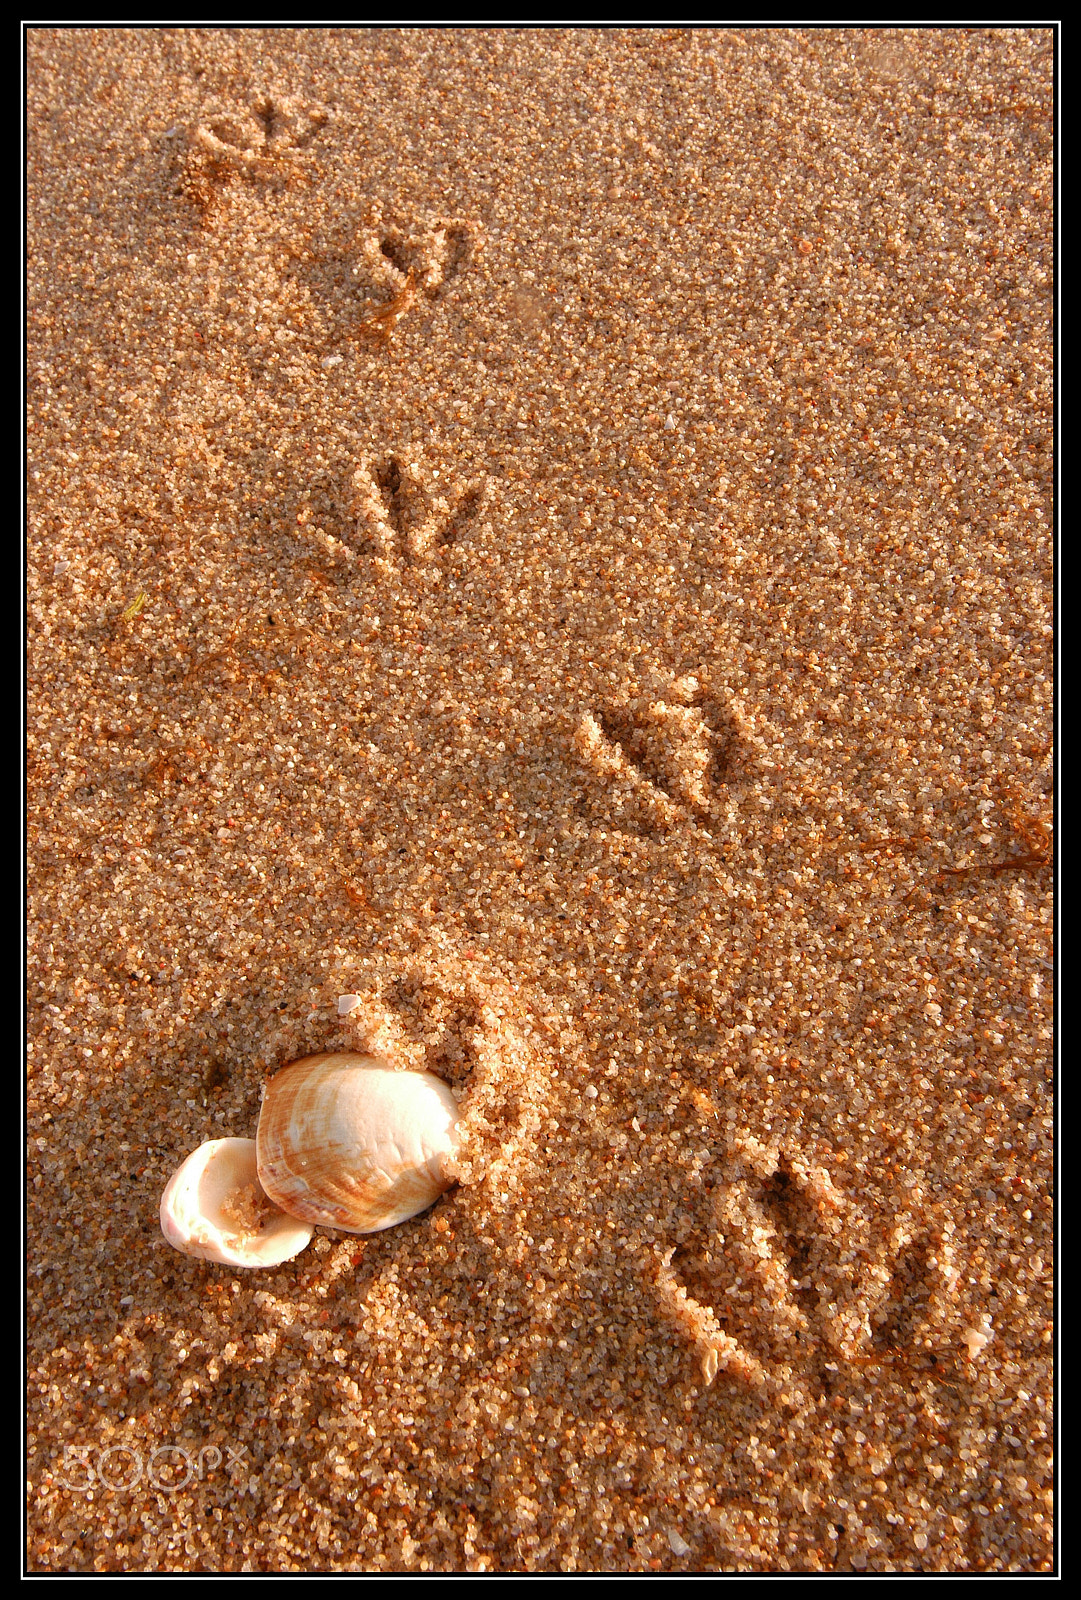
346 1141
214 1207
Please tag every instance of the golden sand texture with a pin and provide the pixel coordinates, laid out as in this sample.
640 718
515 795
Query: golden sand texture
549 533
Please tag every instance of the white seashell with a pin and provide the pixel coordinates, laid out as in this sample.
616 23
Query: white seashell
346 1141
214 1207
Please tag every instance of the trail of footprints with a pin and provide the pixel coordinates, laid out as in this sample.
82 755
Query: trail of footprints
659 756
267 139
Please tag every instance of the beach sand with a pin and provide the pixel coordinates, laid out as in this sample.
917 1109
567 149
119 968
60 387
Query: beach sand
549 533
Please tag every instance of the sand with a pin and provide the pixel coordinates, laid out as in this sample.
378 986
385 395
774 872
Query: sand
549 533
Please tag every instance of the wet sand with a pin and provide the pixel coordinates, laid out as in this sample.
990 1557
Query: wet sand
550 534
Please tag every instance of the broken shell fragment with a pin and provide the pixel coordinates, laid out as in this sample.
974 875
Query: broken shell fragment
346 1141
214 1207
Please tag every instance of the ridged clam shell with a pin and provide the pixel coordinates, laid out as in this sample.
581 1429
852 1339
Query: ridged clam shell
346 1141
214 1208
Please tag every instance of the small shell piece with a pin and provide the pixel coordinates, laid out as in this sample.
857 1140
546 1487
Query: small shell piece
346 1141
214 1207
